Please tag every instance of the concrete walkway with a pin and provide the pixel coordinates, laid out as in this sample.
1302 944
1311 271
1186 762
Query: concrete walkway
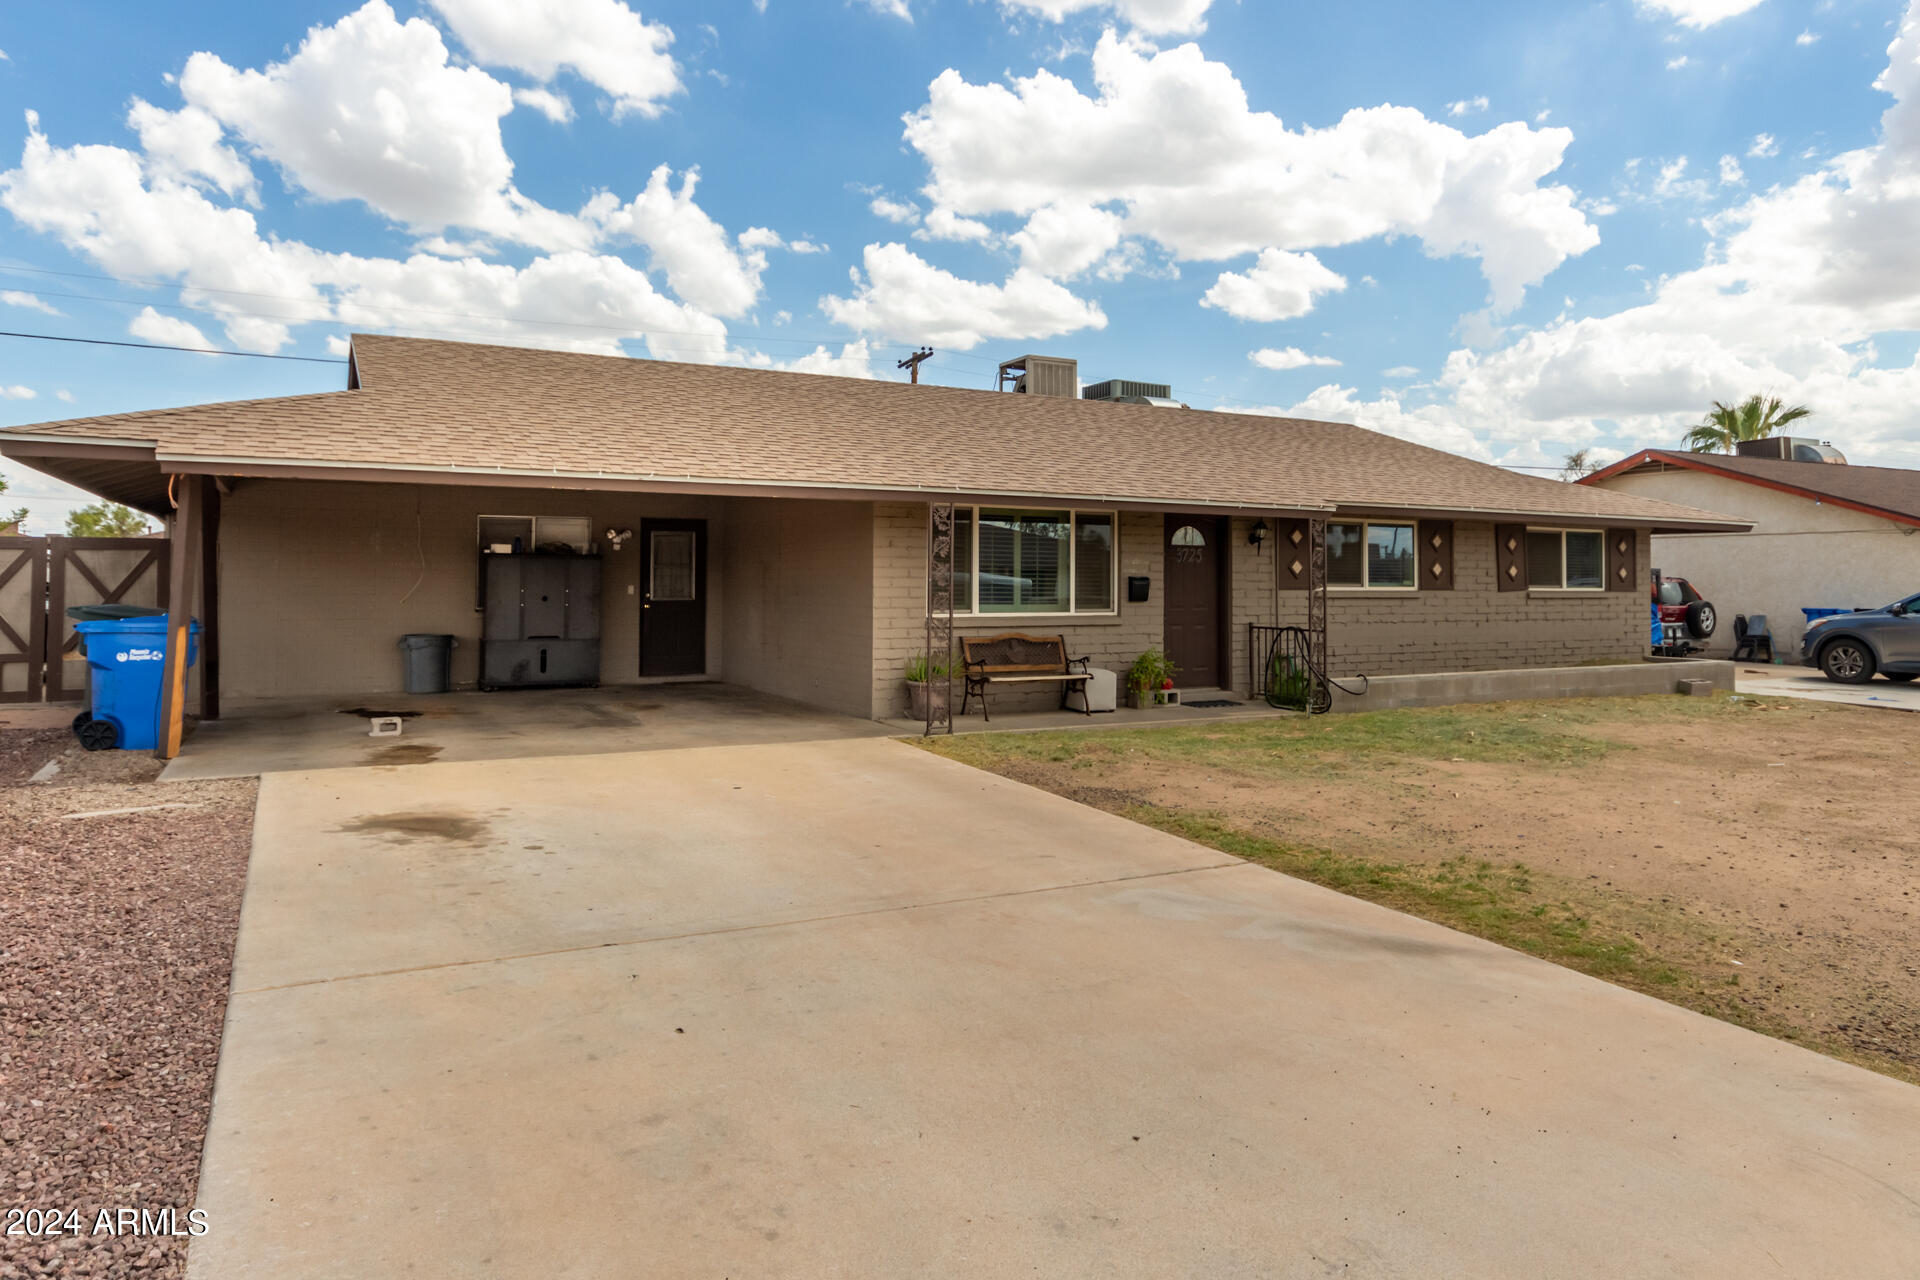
847 1009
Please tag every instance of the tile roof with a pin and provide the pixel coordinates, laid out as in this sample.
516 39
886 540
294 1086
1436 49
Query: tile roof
1892 490
435 405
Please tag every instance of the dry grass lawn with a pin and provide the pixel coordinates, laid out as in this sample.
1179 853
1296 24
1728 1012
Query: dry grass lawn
1756 860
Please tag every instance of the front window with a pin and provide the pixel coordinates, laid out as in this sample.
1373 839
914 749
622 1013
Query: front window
1370 555
1008 560
1570 559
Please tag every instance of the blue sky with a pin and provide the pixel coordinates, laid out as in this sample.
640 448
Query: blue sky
1510 235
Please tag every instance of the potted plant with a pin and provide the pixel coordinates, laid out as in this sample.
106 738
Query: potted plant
1149 678
920 687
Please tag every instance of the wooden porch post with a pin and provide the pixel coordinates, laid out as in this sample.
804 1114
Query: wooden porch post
184 553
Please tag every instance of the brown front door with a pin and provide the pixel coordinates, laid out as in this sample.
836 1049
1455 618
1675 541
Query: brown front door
1194 559
673 601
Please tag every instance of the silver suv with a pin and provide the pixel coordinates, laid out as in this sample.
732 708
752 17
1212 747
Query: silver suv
1850 647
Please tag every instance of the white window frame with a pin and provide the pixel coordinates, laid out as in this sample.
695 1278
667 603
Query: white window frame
1366 569
971 608
1563 531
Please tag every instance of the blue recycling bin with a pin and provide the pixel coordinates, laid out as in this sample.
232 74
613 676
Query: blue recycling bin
126 662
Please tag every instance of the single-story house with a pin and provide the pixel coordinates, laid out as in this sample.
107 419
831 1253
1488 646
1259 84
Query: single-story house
1826 535
770 529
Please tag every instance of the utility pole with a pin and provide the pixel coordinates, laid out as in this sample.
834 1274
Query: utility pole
912 363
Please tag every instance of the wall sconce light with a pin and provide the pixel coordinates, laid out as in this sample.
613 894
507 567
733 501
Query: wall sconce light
616 538
1257 535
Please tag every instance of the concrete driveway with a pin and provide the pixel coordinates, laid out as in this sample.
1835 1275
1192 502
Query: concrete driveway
846 1009
1805 682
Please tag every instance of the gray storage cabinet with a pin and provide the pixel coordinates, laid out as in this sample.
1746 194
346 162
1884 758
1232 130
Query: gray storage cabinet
541 622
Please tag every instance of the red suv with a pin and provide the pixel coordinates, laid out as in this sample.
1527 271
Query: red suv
1681 605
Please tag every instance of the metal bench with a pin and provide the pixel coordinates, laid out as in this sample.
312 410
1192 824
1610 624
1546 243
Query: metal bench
1014 658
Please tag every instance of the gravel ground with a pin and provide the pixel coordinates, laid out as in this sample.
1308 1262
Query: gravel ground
116 942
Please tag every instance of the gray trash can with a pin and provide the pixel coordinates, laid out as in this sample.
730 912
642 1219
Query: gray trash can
429 662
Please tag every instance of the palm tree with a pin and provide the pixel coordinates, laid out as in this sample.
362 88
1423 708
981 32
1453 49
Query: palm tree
1755 418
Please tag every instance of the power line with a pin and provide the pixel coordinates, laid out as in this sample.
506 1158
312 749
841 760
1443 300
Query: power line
634 329
157 346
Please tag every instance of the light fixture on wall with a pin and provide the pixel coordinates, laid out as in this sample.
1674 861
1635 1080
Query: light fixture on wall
1257 535
617 538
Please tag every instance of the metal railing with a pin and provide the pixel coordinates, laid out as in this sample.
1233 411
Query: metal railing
1283 670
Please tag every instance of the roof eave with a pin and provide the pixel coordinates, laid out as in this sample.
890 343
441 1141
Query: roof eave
1703 463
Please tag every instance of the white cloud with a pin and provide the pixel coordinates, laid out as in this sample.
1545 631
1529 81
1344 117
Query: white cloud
891 8
30 301
855 360
1763 147
96 201
1280 286
1467 106
689 246
1806 38
17 392
805 247
1431 426
602 41
63 395
1731 175
1796 283
1674 184
1151 17
945 224
556 107
1288 358
186 146
1674 64
1170 139
904 212
1697 14
372 109
171 330
1064 241
1399 372
902 296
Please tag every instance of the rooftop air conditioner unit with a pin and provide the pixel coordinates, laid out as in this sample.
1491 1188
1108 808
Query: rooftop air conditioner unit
1790 449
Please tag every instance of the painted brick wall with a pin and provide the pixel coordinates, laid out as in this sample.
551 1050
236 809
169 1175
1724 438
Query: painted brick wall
900 602
1474 627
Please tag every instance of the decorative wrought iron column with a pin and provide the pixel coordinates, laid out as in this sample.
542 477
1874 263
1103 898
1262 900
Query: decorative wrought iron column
939 616
1317 606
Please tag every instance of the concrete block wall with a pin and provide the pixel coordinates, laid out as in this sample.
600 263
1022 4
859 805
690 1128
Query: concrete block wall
900 602
1250 580
1475 626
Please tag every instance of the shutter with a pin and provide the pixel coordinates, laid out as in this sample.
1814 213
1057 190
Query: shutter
1293 556
1435 550
1510 556
1622 572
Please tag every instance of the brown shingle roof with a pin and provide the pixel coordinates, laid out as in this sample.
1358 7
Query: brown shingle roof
1891 491
434 405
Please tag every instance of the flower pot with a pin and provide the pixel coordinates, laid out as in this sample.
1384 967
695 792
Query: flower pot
918 691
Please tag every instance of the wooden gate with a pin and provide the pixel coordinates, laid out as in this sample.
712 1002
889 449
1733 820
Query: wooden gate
94 571
23 618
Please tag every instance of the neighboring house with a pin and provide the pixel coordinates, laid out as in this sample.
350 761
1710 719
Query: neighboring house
1826 535
779 525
